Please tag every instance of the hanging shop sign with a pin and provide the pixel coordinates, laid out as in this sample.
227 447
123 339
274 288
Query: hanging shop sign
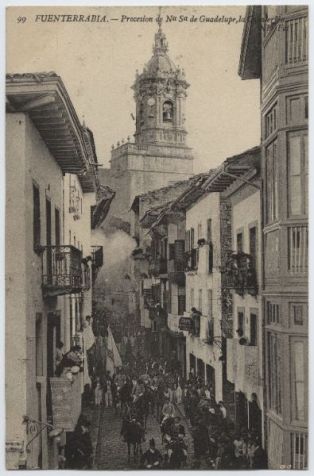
185 324
66 402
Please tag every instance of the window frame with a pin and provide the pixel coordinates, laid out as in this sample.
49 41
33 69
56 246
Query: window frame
254 312
272 184
37 232
304 179
294 380
274 373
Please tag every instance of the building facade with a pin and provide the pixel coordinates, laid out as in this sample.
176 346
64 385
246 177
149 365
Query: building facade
278 56
243 277
203 291
45 269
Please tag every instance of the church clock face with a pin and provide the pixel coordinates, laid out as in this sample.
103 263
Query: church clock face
151 101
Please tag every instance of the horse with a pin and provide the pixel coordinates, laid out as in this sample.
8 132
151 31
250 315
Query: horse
159 400
167 428
141 406
133 434
176 453
125 398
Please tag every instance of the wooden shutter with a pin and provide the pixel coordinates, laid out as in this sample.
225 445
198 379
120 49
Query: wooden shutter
179 250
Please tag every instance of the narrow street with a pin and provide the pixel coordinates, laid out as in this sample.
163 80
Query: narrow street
111 450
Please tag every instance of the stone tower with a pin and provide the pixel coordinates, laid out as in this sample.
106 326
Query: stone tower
160 93
159 155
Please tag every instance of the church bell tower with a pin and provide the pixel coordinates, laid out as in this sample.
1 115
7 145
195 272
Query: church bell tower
160 93
159 155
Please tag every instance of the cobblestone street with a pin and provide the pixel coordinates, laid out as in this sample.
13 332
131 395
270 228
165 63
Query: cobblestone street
111 450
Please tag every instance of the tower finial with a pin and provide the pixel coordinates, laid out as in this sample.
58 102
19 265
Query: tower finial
161 45
159 19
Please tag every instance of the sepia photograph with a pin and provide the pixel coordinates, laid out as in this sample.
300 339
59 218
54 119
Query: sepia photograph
156 237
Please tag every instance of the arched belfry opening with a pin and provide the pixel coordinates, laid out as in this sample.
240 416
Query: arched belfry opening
167 111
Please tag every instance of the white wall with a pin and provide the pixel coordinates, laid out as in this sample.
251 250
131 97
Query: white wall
208 207
27 160
246 213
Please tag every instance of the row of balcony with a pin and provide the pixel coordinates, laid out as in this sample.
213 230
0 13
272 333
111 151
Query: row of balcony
187 262
239 273
64 271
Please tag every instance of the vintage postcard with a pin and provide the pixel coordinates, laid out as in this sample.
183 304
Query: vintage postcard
157 237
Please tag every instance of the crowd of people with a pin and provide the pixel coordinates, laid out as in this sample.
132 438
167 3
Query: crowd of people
156 387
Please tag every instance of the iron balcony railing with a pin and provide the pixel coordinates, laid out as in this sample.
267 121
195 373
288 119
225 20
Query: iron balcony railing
61 270
240 274
191 260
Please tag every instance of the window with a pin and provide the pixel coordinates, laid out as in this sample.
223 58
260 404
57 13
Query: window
211 246
273 316
192 238
188 240
239 242
240 329
209 230
199 231
39 345
167 111
57 227
271 183
141 112
253 329
171 251
271 121
210 303
181 302
164 246
298 314
36 218
192 298
298 380
297 173
253 245
200 300
274 372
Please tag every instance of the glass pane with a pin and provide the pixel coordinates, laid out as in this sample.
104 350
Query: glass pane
306 171
299 361
295 196
275 179
299 390
299 380
294 155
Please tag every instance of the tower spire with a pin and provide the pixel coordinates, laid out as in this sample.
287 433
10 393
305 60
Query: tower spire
159 19
161 44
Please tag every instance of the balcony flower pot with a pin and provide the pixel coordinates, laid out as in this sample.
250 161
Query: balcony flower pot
201 242
243 341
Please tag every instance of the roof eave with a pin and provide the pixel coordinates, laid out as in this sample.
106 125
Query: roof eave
46 101
250 55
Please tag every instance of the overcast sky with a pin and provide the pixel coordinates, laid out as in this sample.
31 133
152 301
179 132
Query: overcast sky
98 61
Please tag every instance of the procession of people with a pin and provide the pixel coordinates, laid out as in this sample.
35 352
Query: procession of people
145 391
